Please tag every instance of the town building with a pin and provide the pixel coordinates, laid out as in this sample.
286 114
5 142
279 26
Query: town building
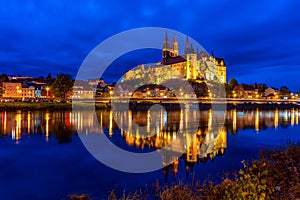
271 93
15 90
82 90
245 91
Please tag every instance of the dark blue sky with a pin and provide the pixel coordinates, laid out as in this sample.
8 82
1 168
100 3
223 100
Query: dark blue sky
260 40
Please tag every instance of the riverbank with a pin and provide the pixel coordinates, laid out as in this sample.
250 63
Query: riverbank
275 175
51 106
217 106
142 106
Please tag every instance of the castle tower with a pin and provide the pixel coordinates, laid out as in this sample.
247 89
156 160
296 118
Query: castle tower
191 58
175 46
221 69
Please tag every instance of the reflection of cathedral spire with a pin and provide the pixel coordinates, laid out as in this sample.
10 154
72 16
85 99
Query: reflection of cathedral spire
175 167
166 172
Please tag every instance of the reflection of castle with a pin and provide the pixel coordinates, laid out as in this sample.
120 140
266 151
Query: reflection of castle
191 65
161 127
206 143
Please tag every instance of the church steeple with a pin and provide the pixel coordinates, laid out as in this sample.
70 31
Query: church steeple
187 47
166 51
192 48
175 46
187 42
166 42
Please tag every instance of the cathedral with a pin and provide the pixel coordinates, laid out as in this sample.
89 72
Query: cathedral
191 65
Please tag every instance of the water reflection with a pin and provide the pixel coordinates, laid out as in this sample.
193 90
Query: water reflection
160 128
57 124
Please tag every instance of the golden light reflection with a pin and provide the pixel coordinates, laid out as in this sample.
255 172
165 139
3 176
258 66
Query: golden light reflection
129 121
101 120
18 126
181 121
292 117
47 117
110 123
28 122
4 122
257 120
148 121
234 121
297 117
209 119
276 116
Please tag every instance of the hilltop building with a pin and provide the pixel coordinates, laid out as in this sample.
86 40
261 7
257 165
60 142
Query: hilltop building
191 65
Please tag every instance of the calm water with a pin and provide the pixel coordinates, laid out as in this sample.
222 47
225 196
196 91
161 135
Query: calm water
42 156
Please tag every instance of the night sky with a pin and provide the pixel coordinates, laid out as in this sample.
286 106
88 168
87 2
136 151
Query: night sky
260 40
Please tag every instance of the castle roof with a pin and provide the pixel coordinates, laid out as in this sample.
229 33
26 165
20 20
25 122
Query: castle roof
219 60
174 60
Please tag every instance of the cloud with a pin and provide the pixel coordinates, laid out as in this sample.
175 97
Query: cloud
55 36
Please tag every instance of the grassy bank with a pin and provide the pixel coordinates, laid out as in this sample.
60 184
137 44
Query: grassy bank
275 175
12 106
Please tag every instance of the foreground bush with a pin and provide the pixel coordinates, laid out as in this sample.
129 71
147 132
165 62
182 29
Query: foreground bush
275 175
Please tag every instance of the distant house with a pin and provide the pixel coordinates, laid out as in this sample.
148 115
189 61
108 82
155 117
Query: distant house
245 91
81 90
15 90
39 87
12 90
151 90
271 93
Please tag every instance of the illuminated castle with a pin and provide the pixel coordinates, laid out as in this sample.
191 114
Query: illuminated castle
191 65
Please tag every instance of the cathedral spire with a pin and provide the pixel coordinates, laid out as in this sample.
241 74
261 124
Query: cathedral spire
166 42
187 47
187 43
175 46
192 48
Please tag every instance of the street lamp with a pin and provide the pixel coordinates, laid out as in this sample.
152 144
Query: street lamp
47 89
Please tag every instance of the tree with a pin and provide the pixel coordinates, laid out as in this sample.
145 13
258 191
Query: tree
3 78
62 85
232 83
49 76
284 91
261 87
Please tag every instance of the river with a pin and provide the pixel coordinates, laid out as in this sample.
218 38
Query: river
42 155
